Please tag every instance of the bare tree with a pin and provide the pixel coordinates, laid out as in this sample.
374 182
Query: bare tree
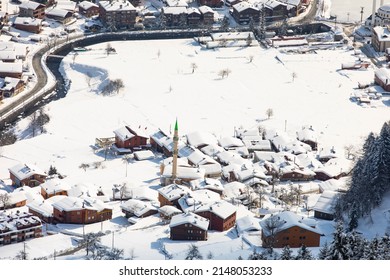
75 54
294 75
270 228
118 85
250 58
4 200
124 192
113 86
269 112
158 53
125 160
109 49
42 119
194 67
350 151
33 125
88 79
84 166
249 40
224 73
7 137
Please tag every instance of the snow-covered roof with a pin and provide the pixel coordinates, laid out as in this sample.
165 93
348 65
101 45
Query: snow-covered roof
144 155
15 197
257 143
192 10
180 162
169 210
11 67
222 208
28 21
55 185
232 35
87 5
227 157
60 13
243 132
212 150
23 171
326 202
84 190
308 160
75 203
189 218
242 6
230 142
137 207
234 190
123 133
205 9
198 138
333 185
207 183
12 221
307 134
192 201
286 220
199 158
176 3
183 172
159 136
383 74
336 166
173 191
174 10
45 207
247 223
116 6
31 5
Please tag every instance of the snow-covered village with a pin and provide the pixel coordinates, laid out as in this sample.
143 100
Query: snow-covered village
180 130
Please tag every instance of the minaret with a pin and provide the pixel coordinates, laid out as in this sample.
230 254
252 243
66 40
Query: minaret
175 152
373 13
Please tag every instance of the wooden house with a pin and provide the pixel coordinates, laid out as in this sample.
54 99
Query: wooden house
287 228
157 140
54 187
168 211
207 15
169 195
26 175
211 3
44 209
11 86
188 226
193 16
74 210
60 15
32 9
33 25
308 136
88 9
130 138
138 208
175 16
382 78
9 69
117 14
221 214
325 206
201 139
244 12
16 199
19 227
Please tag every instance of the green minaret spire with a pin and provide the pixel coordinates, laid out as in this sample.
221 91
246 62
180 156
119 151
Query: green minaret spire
176 126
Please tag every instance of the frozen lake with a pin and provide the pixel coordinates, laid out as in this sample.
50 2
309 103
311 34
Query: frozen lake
341 8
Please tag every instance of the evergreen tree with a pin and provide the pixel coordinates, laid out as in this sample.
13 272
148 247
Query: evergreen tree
257 256
52 170
225 24
193 253
286 253
304 253
324 252
262 27
353 218
338 247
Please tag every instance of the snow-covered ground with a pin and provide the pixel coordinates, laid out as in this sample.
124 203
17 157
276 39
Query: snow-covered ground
160 86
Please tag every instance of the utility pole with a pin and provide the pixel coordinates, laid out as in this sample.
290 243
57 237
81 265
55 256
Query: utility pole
361 14
24 251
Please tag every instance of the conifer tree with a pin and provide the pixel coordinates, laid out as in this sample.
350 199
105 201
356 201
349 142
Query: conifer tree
304 253
286 253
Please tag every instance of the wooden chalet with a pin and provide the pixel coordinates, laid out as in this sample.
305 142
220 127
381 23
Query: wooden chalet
138 208
169 195
26 175
88 9
11 86
33 25
11 69
244 12
54 187
188 226
193 16
382 78
168 211
130 138
32 9
221 215
74 210
175 16
16 199
157 140
325 207
19 227
207 15
60 15
211 3
287 228
308 136
117 14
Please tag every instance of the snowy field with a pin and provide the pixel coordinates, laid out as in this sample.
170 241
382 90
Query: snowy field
160 86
